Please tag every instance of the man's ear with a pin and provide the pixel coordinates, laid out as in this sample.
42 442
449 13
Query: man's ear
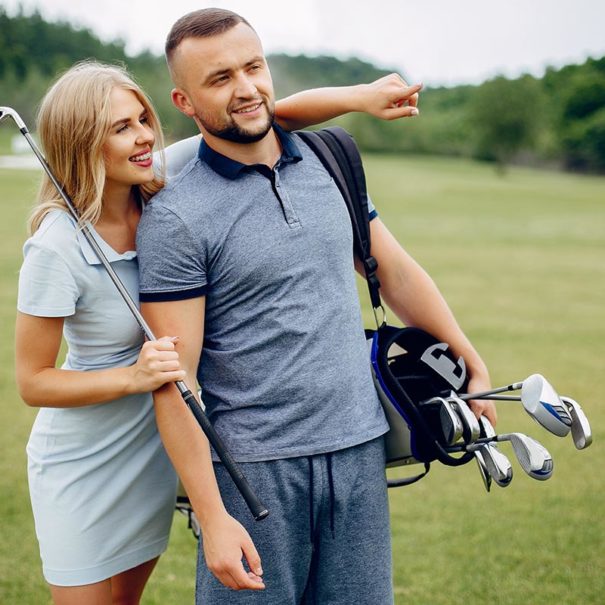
181 101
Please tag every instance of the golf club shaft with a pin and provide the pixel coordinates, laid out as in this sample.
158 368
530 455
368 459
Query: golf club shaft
257 509
515 386
500 397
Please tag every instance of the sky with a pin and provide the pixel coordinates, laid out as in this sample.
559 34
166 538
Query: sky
437 42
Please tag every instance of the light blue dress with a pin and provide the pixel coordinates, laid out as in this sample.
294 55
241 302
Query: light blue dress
102 487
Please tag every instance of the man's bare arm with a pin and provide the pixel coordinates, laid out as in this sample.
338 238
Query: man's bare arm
413 296
225 540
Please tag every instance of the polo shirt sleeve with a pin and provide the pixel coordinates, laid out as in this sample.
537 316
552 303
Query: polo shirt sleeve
372 212
47 287
172 265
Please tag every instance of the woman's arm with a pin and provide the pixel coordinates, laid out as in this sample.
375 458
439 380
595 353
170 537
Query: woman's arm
388 98
41 384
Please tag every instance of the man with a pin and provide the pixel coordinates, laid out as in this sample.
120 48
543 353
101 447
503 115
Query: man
248 253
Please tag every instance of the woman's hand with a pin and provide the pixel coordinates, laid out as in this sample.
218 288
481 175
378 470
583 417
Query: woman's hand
158 363
389 98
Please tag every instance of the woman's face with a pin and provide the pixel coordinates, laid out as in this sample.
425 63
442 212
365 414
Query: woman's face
127 149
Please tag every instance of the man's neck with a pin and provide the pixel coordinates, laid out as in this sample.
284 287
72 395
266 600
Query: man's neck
267 151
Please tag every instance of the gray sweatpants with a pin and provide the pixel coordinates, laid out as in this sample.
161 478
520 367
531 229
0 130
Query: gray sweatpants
326 540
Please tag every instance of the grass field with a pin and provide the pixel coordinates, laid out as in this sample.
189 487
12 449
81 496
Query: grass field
521 261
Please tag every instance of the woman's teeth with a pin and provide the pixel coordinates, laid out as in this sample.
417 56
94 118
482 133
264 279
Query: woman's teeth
141 158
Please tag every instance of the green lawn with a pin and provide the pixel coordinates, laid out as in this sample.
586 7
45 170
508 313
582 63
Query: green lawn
521 261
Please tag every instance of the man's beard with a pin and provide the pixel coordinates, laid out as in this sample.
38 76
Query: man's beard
231 131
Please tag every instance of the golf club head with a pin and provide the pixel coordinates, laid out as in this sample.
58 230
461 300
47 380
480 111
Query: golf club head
497 464
485 476
9 112
580 427
533 457
470 424
543 404
444 419
450 423
486 428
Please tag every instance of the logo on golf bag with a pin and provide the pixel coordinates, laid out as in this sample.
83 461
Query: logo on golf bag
439 362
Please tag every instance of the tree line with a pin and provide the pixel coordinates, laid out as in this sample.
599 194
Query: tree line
557 120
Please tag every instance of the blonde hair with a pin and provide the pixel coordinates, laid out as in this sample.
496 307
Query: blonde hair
74 121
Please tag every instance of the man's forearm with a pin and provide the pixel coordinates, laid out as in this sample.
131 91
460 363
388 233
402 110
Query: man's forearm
188 450
414 297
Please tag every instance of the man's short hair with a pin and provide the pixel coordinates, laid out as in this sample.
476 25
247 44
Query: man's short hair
201 24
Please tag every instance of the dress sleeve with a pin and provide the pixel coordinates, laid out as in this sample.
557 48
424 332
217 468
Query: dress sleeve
47 287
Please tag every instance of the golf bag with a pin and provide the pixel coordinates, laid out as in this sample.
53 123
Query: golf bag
409 365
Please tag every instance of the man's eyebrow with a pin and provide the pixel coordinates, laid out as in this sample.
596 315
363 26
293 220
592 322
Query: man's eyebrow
226 70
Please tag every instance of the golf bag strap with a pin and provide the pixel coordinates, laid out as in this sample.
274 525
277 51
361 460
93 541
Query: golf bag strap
338 152
409 480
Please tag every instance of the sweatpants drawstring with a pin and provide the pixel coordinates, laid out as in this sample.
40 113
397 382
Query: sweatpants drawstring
311 515
331 488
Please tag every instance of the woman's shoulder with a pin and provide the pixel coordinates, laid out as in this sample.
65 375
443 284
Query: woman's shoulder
57 232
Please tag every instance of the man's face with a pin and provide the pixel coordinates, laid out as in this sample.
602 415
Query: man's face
227 84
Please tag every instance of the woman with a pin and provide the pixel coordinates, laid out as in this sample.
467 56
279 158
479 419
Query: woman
101 485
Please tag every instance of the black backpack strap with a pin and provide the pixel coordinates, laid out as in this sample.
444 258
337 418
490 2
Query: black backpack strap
338 153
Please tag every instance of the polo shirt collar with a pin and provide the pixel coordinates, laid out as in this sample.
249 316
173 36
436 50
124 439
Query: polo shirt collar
231 169
110 253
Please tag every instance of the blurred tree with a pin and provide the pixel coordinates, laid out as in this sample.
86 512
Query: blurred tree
505 118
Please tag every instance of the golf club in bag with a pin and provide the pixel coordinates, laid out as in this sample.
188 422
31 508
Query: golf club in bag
257 509
421 385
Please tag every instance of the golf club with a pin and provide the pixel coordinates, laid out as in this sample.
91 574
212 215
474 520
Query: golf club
497 464
485 475
470 424
450 423
503 470
257 509
533 457
540 401
580 427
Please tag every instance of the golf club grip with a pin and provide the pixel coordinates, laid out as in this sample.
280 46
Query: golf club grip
258 510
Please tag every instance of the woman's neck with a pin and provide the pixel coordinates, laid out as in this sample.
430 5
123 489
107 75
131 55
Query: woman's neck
119 219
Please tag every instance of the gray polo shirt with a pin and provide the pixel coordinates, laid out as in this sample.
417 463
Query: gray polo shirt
284 368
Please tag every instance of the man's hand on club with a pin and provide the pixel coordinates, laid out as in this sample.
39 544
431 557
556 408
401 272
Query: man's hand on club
482 407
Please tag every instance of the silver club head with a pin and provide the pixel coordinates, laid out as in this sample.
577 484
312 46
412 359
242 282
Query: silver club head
485 476
451 425
9 112
580 427
487 430
544 405
497 464
470 424
533 457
